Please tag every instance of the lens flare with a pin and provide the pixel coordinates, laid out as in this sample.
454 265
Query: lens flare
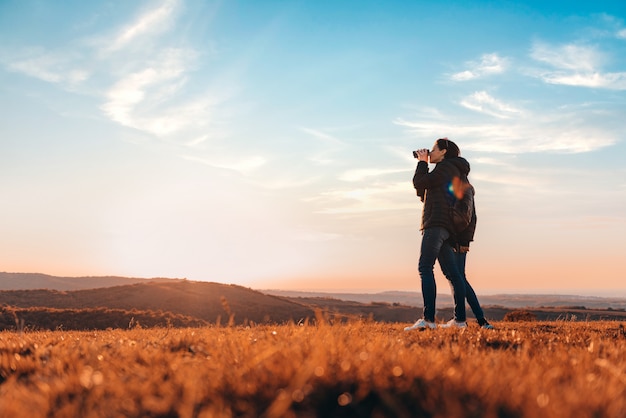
457 188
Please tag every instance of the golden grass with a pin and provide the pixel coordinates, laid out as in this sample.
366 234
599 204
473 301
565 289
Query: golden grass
358 369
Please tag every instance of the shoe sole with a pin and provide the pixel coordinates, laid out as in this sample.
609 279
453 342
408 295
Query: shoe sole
419 328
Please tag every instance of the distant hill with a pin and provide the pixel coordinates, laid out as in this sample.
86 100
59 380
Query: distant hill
210 302
395 312
24 281
504 300
47 303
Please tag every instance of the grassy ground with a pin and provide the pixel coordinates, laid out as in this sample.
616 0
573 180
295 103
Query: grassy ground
358 369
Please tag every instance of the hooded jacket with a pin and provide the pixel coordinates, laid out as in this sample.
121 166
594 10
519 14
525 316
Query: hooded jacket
467 235
435 190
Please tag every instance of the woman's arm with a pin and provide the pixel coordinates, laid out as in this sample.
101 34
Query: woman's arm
422 168
424 180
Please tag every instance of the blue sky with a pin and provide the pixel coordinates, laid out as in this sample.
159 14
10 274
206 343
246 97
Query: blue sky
269 143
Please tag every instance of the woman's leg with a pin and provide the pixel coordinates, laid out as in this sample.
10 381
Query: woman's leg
448 263
432 241
470 295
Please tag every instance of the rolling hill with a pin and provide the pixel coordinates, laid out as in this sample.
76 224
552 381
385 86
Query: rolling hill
25 281
505 300
180 302
210 302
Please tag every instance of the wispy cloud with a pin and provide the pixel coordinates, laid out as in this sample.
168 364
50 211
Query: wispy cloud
320 135
576 65
483 102
195 142
488 64
150 100
567 57
381 197
621 34
283 183
152 22
612 81
524 131
145 81
51 67
160 79
490 161
242 165
330 145
151 92
364 173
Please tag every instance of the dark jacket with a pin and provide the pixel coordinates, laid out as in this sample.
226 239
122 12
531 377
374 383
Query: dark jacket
434 188
467 235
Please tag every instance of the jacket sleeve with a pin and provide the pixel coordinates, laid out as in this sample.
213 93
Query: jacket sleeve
423 180
422 168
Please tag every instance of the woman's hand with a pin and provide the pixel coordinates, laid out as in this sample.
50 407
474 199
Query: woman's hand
422 154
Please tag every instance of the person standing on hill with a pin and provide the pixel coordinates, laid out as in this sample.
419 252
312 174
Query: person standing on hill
434 189
460 243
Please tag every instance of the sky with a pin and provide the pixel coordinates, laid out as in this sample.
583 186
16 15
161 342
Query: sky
269 144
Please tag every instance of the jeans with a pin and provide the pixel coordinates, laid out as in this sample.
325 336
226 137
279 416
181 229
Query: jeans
472 300
434 246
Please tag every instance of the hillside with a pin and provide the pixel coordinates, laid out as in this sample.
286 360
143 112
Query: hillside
33 281
387 312
210 302
25 281
506 300
183 303
179 302
88 319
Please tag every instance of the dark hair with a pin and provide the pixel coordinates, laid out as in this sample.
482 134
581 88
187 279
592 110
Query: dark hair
452 149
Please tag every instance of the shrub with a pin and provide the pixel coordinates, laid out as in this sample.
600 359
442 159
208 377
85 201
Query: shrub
520 315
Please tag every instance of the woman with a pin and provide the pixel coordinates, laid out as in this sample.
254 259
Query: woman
434 188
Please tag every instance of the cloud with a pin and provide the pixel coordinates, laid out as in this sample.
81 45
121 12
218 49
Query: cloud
490 161
611 81
576 65
320 135
362 174
382 197
152 88
150 91
161 77
621 34
330 145
283 183
142 85
197 141
152 22
482 102
551 133
70 69
489 64
242 165
150 99
524 131
51 67
567 57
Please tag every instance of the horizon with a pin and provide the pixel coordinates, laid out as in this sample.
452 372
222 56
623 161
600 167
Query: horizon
270 144
614 293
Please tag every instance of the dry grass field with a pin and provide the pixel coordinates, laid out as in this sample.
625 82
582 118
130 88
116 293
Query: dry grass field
322 369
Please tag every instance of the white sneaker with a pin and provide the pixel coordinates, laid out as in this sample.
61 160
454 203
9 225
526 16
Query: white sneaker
421 324
454 324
